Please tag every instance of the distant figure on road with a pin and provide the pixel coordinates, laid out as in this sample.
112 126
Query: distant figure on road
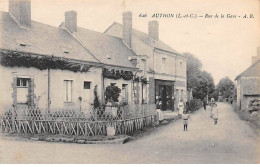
185 118
204 103
181 107
215 113
211 109
212 102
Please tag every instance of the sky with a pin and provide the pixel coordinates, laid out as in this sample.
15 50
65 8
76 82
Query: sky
223 45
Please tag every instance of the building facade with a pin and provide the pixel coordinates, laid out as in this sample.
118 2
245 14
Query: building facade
61 67
164 67
248 83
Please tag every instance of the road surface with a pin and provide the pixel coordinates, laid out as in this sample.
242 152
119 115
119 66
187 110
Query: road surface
231 141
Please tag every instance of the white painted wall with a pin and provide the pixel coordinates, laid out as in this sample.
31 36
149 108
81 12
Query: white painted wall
57 89
87 95
40 80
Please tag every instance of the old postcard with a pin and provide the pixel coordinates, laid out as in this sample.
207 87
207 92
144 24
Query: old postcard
129 82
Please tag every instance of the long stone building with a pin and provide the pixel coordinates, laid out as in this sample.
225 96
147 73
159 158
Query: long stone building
57 67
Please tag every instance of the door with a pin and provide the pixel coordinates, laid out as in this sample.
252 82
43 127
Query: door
164 98
168 97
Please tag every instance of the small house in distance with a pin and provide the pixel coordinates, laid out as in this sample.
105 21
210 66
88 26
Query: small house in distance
248 83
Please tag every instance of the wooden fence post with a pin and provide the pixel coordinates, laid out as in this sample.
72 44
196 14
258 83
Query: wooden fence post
95 133
13 119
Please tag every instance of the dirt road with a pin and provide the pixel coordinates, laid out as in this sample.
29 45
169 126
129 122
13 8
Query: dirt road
230 141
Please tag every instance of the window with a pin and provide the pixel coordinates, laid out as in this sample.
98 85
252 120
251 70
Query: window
163 60
22 82
144 66
68 90
163 64
22 90
125 93
144 93
180 68
113 84
87 85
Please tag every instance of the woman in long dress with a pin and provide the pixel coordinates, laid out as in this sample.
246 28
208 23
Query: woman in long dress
159 111
181 107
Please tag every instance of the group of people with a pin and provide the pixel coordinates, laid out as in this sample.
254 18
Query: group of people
183 112
213 109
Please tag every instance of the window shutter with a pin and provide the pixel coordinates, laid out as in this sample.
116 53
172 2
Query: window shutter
31 92
14 95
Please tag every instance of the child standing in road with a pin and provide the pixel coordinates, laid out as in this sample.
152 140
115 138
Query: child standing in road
215 113
185 118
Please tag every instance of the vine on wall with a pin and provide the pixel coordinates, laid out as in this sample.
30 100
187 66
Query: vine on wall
117 74
13 58
140 79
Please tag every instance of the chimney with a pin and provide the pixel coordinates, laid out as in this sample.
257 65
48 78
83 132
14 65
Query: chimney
153 30
21 11
257 57
71 21
127 28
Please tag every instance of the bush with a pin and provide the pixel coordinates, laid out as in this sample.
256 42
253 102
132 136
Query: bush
112 93
254 105
252 118
194 104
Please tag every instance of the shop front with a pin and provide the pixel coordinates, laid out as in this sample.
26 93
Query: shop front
164 92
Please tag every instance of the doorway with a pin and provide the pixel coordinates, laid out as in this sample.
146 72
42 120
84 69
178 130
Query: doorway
165 96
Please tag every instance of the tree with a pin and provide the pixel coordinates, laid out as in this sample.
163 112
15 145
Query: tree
203 86
193 69
112 93
226 87
201 82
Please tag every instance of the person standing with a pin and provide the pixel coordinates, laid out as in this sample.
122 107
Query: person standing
180 107
204 103
185 118
159 111
215 113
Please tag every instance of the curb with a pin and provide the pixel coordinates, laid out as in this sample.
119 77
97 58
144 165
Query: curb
120 140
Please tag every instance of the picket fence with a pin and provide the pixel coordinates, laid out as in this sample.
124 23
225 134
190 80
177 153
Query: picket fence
78 122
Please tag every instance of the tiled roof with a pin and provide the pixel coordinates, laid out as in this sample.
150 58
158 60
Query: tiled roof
41 39
106 48
116 30
252 71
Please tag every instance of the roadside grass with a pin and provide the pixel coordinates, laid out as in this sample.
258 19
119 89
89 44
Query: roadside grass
252 118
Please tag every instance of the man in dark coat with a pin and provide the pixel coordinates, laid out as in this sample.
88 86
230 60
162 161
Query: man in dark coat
204 103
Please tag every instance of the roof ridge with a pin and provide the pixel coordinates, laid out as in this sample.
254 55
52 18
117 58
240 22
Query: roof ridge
247 69
111 26
78 40
146 34
17 22
101 33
